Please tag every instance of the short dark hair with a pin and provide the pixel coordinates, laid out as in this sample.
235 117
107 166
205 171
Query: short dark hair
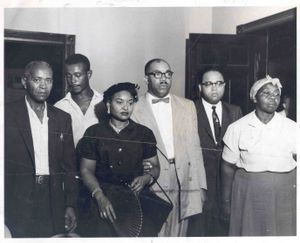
200 73
148 64
33 64
78 58
130 87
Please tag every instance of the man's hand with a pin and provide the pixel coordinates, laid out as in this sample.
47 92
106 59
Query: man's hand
139 182
70 220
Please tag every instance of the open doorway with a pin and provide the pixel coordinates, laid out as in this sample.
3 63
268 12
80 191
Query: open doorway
265 46
21 47
279 32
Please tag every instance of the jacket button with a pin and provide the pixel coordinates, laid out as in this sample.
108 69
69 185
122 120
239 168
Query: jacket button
120 163
120 150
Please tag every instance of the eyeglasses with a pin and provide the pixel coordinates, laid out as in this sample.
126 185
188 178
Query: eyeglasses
210 84
158 75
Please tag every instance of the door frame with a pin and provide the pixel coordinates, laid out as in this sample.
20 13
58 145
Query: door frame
270 21
66 42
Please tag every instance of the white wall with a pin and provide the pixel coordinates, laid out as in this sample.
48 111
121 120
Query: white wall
225 19
119 41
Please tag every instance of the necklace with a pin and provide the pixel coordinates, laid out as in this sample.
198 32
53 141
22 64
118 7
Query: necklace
118 130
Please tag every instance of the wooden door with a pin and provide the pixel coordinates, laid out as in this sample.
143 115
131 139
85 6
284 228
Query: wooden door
280 31
21 47
242 59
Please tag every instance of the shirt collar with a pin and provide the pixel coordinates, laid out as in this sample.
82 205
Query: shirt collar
150 97
95 95
209 105
129 127
254 120
31 111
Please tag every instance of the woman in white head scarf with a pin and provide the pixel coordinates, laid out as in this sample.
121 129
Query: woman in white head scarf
259 167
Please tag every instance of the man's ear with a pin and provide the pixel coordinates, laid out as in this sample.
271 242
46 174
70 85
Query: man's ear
146 79
200 88
23 81
89 73
108 107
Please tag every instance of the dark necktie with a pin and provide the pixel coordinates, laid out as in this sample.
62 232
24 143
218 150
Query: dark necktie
166 100
217 125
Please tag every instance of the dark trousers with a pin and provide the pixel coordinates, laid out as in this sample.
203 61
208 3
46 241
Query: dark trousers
206 224
40 224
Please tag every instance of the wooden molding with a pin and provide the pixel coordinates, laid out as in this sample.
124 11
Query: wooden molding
267 22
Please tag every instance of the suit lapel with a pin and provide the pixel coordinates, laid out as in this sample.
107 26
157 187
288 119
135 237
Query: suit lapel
150 121
51 137
204 120
176 121
225 119
22 119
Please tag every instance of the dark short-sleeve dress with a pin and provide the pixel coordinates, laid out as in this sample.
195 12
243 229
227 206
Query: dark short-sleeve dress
118 158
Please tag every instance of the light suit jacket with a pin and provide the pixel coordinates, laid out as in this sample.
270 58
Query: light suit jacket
188 154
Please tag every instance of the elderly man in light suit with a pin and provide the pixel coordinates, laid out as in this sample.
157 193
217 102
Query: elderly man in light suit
173 121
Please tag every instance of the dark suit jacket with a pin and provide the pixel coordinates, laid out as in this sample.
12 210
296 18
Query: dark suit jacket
212 153
20 166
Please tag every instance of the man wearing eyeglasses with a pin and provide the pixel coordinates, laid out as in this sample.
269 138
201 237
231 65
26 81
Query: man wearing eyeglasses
173 121
214 116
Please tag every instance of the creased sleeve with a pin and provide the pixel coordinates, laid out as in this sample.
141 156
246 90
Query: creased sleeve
231 152
149 145
87 146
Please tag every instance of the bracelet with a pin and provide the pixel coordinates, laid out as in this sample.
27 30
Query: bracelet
95 191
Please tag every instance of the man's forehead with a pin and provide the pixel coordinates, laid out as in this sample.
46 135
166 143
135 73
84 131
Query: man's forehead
76 66
38 70
213 75
159 65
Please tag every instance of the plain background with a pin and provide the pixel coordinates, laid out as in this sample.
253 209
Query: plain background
119 41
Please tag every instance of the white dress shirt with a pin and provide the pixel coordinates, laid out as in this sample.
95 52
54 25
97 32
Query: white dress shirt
163 115
39 131
208 109
80 121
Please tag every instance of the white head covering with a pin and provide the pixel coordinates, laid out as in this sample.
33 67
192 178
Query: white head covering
259 83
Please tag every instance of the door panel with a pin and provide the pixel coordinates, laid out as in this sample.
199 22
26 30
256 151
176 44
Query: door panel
21 47
242 59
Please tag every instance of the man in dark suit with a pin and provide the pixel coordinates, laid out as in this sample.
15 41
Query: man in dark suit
214 116
40 185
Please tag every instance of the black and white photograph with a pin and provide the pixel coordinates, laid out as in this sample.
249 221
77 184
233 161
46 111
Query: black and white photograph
149 121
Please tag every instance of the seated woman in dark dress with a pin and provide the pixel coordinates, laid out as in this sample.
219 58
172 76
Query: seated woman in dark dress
112 155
